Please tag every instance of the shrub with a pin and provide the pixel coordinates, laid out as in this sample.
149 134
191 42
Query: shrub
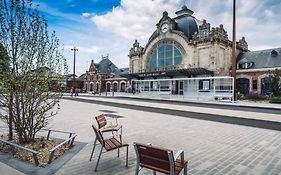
255 96
275 100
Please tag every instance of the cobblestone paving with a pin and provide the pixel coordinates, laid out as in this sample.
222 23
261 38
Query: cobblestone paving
210 147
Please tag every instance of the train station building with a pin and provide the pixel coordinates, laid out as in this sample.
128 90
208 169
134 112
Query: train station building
187 47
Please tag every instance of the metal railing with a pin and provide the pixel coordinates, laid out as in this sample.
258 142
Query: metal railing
69 140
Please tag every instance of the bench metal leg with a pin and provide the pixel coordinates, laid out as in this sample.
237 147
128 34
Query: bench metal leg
154 172
137 168
185 170
127 152
96 169
93 149
117 152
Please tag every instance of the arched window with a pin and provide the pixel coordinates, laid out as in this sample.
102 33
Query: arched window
265 86
108 87
123 87
165 55
115 87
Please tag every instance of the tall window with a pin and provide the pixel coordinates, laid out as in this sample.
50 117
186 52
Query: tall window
165 55
255 85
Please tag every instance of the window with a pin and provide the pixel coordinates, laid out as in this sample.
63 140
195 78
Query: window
165 55
245 65
204 34
255 84
204 85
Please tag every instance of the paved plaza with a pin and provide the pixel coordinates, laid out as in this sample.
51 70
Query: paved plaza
210 147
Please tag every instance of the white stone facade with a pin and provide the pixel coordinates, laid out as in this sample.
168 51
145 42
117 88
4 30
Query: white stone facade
211 51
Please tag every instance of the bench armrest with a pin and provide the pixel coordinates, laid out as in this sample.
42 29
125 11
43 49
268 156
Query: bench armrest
181 154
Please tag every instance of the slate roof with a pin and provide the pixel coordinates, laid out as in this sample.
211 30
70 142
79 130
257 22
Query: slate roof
187 24
82 77
107 67
269 58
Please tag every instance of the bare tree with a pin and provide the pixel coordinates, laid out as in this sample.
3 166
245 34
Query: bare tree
36 69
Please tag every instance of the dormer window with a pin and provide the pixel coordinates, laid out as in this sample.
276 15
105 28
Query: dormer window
135 49
274 53
204 33
245 65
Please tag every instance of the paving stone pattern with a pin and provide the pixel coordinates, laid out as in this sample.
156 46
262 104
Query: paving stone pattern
210 147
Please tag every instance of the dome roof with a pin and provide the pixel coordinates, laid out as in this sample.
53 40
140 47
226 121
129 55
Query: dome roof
184 22
187 24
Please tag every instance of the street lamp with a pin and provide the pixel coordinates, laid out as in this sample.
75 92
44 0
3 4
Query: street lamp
233 65
74 54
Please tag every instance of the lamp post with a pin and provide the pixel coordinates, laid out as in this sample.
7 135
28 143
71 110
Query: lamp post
233 66
74 55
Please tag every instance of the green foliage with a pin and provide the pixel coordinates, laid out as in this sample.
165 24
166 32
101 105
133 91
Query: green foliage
4 62
36 67
275 100
275 82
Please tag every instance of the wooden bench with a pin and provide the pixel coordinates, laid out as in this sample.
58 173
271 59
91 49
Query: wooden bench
109 144
104 127
159 160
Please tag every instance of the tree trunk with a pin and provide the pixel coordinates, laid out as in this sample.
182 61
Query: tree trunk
10 119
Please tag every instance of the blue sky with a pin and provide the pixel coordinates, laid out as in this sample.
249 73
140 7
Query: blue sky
101 27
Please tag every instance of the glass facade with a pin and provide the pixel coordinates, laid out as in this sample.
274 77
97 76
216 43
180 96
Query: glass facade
165 55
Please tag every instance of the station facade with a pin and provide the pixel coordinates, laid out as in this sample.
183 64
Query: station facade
186 47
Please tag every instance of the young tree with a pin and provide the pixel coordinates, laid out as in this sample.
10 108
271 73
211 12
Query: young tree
4 88
36 67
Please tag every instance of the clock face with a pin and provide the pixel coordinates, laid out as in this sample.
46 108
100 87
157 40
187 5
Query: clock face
164 27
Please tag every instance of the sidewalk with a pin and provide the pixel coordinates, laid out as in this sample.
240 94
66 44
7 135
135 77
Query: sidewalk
276 117
176 98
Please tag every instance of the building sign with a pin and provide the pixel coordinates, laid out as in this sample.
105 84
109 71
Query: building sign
152 74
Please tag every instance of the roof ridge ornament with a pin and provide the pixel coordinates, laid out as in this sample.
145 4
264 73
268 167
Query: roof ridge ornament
184 11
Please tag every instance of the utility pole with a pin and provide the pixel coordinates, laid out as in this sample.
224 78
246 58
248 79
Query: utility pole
74 55
233 66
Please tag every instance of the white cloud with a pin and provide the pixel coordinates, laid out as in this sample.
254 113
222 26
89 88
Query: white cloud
87 14
135 19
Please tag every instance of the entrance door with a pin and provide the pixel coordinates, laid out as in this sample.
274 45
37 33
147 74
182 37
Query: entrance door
181 87
91 87
243 85
265 86
97 90
115 87
108 87
175 86
123 87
